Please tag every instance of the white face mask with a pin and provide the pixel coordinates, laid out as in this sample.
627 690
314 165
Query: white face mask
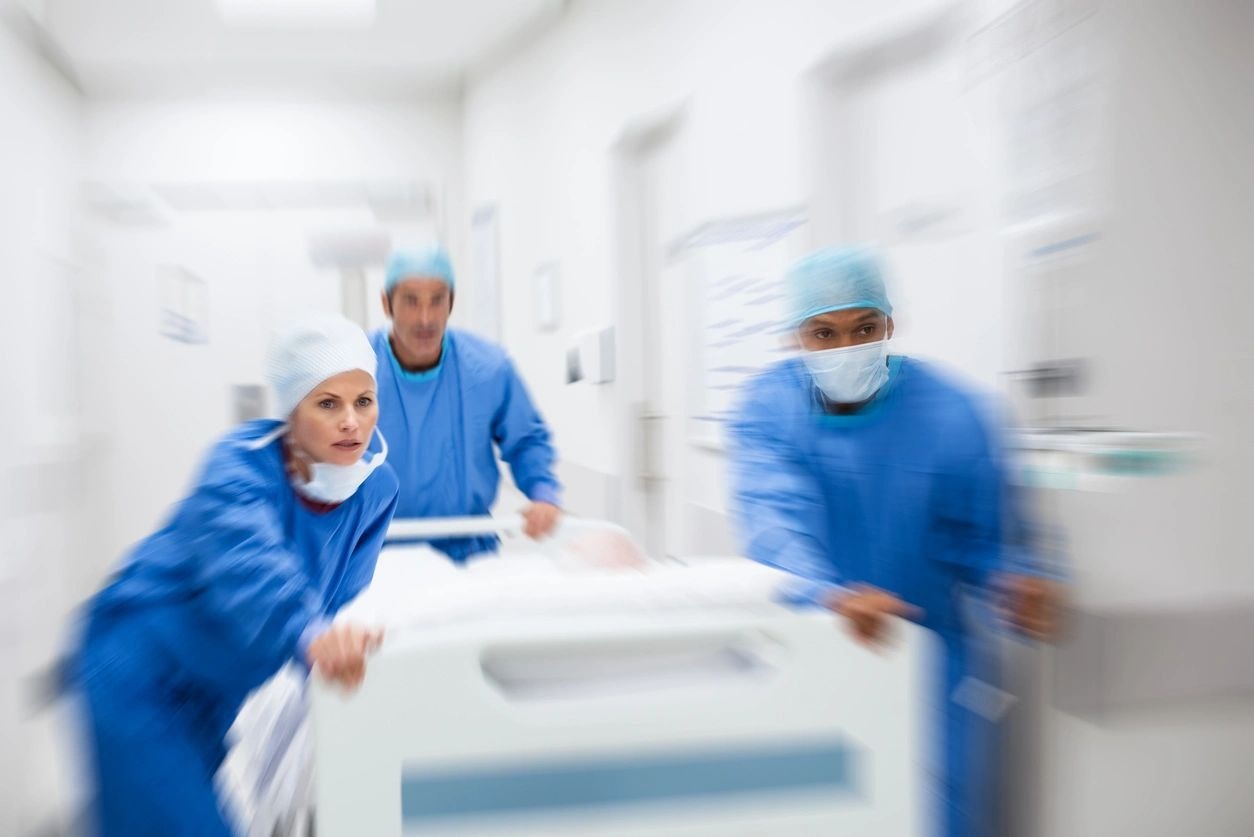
850 375
329 483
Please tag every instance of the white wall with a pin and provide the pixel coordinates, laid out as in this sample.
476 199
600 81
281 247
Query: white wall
1165 297
40 151
541 134
172 398
1162 309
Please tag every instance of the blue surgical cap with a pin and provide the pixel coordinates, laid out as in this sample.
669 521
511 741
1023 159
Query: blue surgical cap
420 263
835 279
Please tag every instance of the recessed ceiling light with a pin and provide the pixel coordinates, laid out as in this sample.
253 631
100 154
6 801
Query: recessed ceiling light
298 13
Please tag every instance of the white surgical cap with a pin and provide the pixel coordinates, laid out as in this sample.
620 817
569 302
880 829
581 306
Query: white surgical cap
306 353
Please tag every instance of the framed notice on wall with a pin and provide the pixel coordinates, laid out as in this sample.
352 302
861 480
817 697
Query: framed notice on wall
183 305
737 266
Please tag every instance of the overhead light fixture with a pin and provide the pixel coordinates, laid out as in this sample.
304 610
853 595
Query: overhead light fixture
298 13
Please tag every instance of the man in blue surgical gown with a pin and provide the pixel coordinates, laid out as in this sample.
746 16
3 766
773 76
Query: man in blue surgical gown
878 481
450 401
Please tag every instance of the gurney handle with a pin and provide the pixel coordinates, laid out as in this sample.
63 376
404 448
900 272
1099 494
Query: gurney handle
510 524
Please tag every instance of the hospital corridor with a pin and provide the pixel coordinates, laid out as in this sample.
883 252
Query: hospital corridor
627 418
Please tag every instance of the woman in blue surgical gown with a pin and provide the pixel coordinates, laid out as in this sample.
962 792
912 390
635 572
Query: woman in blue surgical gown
282 527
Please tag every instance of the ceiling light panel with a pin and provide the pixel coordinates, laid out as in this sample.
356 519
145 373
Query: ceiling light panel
298 14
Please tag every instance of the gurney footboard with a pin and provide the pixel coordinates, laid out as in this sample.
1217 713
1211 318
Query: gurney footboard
717 724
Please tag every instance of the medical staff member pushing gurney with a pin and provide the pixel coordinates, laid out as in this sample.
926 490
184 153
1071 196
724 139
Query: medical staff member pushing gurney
878 480
282 528
449 399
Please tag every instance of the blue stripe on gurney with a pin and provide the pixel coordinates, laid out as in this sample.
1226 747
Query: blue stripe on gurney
588 783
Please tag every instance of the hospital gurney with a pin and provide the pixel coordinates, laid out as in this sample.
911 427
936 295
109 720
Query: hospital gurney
547 693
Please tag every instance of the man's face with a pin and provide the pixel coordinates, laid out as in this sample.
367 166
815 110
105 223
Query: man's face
842 329
419 309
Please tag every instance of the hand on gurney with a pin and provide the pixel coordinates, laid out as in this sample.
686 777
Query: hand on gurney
868 610
540 519
339 653
1032 605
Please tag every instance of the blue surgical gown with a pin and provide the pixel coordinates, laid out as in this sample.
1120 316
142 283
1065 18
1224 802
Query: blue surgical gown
906 494
201 613
444 426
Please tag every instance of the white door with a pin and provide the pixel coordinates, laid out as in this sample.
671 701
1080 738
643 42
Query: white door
645 336
901 157
696 313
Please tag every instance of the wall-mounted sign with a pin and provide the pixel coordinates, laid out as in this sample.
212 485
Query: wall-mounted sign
183 299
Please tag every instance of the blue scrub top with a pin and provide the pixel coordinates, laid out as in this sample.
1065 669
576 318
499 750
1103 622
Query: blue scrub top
445 426
220 596
907 494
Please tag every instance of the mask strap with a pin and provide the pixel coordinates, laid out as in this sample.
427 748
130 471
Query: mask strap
258 444
380 457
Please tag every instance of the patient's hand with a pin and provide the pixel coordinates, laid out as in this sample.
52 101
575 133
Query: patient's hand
339 653
604 549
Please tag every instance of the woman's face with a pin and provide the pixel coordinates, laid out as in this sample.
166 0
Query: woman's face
335 421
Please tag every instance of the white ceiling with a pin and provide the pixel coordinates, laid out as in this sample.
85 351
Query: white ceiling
155 47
